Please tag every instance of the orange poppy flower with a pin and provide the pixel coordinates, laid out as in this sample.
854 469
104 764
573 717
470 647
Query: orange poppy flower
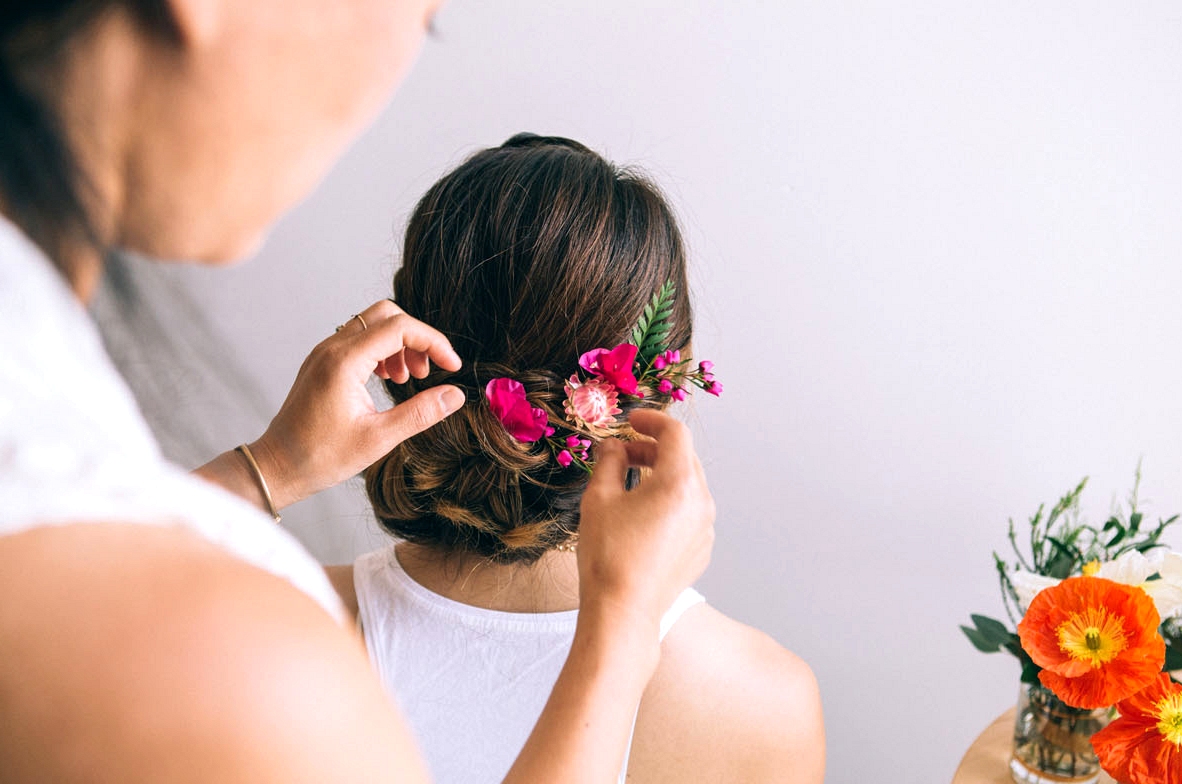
1144 745
1096 640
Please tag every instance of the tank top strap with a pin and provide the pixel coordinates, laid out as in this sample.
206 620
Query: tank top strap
685 600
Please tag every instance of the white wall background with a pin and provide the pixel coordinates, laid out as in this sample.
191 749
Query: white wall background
936 257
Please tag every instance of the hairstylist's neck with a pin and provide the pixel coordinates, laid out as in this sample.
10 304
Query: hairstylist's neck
95 98
549 585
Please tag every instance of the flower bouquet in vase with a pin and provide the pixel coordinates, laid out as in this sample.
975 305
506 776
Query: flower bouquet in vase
1095 611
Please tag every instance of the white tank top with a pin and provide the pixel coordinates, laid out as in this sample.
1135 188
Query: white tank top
471 682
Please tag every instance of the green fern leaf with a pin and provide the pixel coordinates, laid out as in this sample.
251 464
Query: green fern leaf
653 328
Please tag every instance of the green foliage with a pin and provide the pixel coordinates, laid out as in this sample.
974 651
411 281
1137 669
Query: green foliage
989 635
1173 657
652 330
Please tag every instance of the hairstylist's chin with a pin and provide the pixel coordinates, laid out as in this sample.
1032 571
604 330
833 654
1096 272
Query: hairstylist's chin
243 250
225 251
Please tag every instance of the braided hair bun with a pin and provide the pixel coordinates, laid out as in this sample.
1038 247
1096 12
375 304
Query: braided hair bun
525 256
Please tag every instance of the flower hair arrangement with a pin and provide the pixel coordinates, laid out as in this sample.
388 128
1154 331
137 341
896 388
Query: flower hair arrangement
644 368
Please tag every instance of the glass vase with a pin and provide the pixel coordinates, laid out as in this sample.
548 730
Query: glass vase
1053 741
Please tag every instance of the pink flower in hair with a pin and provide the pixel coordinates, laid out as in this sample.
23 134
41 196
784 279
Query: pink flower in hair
591 404
565 458
506 398
614 366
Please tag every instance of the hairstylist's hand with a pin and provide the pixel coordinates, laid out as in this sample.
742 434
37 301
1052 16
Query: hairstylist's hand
639 548
328 428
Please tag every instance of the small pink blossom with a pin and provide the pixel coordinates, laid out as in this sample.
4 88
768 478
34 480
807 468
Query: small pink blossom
679 394
715 388
614 366
565 458
665 387
591 403
506 398
659 362
705 366
573 442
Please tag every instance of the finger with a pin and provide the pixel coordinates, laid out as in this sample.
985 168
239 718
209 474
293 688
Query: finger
389 336
352 326
415 415
641 454
396 369
674 443
417 363
611 468
382 309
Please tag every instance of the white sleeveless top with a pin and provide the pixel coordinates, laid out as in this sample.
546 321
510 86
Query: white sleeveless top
74 447
471 682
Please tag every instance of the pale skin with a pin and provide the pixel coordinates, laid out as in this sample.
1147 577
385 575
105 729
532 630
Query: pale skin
144 654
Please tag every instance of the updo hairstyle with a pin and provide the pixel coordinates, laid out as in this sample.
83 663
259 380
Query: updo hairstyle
525 257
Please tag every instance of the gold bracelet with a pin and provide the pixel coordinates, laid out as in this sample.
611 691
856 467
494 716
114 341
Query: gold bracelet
258 475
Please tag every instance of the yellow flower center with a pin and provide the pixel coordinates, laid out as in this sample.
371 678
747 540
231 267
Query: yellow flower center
1095 636
1090 568
1169 718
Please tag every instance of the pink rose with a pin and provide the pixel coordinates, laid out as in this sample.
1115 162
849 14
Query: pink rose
614 366
506 398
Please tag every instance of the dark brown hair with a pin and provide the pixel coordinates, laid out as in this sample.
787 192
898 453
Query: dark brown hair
526 256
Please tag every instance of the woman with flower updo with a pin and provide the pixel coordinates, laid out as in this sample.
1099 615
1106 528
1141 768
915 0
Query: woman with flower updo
562 279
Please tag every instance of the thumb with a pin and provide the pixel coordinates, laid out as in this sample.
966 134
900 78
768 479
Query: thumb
415 415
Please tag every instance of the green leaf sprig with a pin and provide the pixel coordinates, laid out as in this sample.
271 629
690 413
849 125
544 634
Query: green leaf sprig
651 333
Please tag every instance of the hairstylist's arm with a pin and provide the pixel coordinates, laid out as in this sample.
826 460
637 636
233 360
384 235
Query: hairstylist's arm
637 550
328 428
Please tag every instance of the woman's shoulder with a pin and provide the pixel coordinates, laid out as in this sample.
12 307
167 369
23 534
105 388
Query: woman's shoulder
728 703
188 648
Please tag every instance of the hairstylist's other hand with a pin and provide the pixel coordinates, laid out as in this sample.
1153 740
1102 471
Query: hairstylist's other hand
639 548
328 429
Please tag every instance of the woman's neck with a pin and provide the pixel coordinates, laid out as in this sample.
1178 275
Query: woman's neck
549 585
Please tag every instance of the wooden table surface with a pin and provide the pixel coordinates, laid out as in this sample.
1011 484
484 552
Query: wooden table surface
988 760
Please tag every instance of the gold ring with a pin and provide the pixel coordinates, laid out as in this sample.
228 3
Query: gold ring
364 326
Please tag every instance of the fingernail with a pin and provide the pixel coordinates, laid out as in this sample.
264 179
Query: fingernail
451 398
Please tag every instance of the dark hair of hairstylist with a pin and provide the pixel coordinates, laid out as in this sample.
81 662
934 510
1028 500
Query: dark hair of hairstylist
155 628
